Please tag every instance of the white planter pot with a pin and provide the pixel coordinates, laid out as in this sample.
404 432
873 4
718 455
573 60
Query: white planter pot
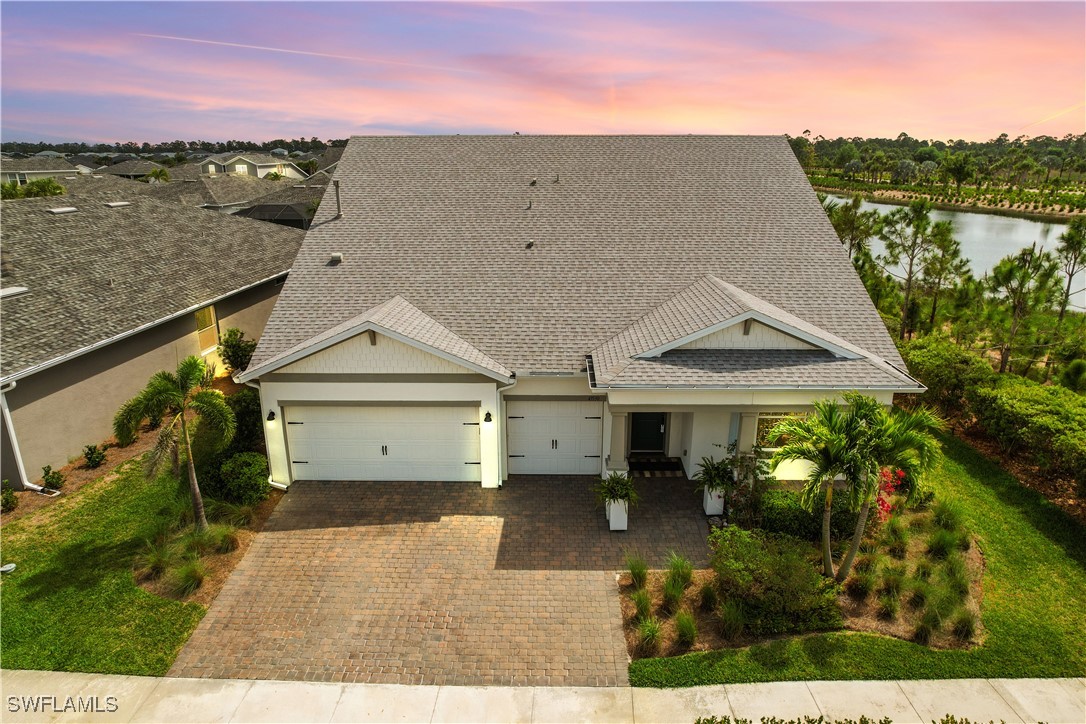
712 501
617 513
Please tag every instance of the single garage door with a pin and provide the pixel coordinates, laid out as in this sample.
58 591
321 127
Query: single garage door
555 437
384 443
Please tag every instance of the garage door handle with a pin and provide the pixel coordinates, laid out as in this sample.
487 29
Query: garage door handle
469 423
473 463
295 423
593 418
516 456
300 462
591 456
516 417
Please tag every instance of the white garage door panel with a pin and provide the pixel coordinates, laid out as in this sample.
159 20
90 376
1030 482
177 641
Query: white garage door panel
384 443
555 437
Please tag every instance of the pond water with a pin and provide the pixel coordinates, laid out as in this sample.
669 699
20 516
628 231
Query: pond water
987 238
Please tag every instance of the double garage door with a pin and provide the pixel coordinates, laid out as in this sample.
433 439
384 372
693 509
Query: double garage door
384 443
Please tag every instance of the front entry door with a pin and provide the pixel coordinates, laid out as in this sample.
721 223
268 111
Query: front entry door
647 431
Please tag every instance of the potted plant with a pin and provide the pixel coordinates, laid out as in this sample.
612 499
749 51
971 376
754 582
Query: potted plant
617 493
716 478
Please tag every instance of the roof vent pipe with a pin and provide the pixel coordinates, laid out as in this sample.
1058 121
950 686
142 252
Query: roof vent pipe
339 208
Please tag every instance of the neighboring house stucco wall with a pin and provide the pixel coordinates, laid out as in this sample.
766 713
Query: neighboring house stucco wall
63 408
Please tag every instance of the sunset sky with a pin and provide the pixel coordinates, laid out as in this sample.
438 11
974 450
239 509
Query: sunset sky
153 72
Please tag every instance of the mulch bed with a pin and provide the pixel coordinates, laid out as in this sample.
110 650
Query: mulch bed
709 637
1058 490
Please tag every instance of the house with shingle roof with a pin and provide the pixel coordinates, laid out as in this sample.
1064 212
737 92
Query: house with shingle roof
133 169
481 308
251 163
24 170
105 286
293 205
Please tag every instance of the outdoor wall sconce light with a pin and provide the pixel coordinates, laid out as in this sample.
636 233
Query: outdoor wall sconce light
488 418
271 415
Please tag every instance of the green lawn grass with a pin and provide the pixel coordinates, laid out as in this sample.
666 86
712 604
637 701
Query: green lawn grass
1034 605
72 603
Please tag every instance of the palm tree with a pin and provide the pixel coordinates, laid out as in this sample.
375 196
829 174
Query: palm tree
177 394
897 440
159 174
828 440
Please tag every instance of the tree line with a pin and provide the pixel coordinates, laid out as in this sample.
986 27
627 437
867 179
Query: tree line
1021 313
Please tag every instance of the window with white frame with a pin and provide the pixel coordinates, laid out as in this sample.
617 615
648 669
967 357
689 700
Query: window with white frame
766 422
207 329
241 167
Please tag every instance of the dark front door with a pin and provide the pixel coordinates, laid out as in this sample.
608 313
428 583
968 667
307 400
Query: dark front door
647 431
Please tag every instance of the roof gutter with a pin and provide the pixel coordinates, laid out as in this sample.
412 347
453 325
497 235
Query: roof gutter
124 335
880 388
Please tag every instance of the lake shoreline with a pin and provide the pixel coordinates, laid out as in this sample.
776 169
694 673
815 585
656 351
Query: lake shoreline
886 197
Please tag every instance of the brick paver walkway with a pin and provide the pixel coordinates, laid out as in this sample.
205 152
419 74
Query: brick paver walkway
439 583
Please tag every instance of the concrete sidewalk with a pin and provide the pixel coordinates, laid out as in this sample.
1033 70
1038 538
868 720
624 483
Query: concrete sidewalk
148 699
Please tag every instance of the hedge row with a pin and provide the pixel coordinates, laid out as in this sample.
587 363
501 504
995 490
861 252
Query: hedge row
1047 422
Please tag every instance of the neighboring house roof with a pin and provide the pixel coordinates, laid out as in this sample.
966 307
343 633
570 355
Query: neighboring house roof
34 163
537 250
49 154
102 273
138 167
279 152
294 193
402 320
222 190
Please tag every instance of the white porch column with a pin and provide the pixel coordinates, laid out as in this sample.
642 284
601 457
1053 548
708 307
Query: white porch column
616 458
489 438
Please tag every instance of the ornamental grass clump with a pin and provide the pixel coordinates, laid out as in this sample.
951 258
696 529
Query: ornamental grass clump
686 628
638 568
892 581
188 577
648 634
948 514
733 619
888 606
709 597
955 577
157 557
965 626
941 543
642 603
679 569
896 538
673 594
860 584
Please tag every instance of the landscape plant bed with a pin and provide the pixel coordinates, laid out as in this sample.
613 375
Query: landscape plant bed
708 638
1033 622
218 566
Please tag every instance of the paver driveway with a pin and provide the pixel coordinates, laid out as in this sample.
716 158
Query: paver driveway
439 583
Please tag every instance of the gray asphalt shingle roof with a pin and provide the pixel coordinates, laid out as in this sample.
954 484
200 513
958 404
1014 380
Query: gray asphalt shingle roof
35 163
138 167
101 272
538 249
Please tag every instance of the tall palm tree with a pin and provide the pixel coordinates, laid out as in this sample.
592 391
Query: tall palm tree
830 441
177 394
897 440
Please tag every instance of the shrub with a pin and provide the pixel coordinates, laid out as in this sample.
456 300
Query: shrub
217 538
782 512
896 538
686 628
948 514
673 594
249 422
860 584
921 592
888 607
53 479
94 456
780 587
8 499
245 479
733 619
941 543
955 577
866 563
679 568
235 351
187 578
648 634
231 514
708 596
157 556
893 580
642 603
947 370
639 570
964 625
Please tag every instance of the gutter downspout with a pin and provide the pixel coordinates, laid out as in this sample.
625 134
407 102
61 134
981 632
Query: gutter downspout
6 411
277 486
